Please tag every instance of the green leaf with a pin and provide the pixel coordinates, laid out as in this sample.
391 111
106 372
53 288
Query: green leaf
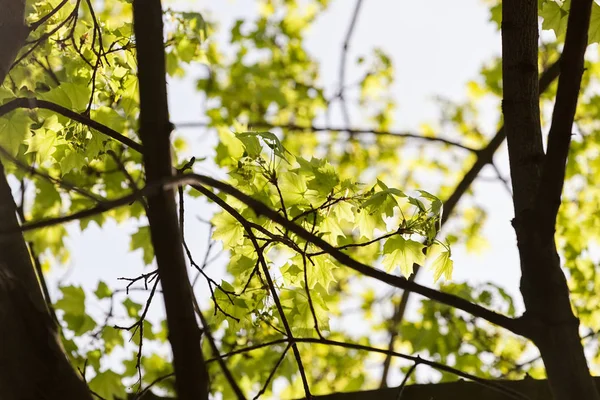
417 203
186 50
555 18
367 223
108 385
251 143
292 272
403 253
293 188
594 31
72 160
132 308
78 93
109 117
331 229
14 129
442 265
230 149
322 176
301 313
320 271
72 301
241 266
344 210
112 337
383 201
79 324
103 291
43 143
273 142
58 96
96 143
141 240
227 229
436 203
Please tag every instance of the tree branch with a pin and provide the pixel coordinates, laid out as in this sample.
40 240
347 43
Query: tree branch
33 103
191 375
260 208
520 103
351 131
484 157
553 173
344 62
168 183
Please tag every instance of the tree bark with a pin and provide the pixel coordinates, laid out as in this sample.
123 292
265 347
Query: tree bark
529 388
484 157
184 335
32 362
552 326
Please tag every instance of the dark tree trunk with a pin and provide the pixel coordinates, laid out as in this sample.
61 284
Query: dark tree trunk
537 185
155 128
32 362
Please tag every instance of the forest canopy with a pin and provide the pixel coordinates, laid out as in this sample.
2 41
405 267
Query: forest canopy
321 215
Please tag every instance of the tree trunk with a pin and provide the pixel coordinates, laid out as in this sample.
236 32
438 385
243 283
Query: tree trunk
551 323
184 334
32 362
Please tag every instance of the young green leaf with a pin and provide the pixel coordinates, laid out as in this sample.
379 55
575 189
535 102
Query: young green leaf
442 265
141 240
402 253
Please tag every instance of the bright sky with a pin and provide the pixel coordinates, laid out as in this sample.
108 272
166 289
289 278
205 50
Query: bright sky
436 47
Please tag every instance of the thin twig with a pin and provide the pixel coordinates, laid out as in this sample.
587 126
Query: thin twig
272 374
60 182
344 62
517 326
406 377
211 341
300 129
33 103
484 157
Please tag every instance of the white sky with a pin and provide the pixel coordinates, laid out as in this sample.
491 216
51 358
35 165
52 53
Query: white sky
436 47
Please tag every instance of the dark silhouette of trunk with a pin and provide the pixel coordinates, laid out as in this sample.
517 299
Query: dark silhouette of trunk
537 180
190 369
33 364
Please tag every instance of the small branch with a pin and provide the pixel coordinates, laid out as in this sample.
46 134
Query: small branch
260 208
48 70
378 239
71 18
273 290
484 157
270 377
132 183
505 182
306 288
60 182
441 367
497 386
355 132
33 103
406 377
211 341
569 84
37 264
344 63
46 17
138 326
195 180
396 319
